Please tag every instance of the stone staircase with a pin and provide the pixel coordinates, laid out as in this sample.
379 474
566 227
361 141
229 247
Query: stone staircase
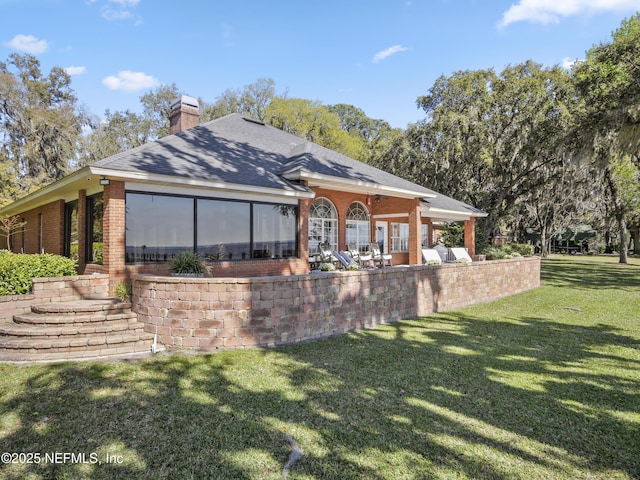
81 329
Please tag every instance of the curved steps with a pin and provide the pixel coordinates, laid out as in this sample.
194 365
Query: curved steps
81 329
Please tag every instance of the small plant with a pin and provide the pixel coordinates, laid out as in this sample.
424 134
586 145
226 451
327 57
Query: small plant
353 266
462 260
327 267
123 291
434 262
187 262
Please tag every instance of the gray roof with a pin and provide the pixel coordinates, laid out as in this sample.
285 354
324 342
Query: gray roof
237 150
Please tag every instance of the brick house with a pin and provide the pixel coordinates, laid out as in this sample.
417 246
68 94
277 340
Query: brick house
253 199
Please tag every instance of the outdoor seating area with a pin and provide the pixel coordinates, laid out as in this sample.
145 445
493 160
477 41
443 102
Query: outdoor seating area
441 254
351 259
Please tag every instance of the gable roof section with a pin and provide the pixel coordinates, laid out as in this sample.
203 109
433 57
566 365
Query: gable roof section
240 151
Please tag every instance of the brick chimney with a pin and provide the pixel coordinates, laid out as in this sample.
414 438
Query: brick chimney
185 113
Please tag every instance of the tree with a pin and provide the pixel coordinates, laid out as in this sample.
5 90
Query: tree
608 82
314 122
39 122
488 137
157 108
10 226
251 101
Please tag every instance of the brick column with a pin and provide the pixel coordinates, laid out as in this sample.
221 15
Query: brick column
470 236
303 228
415 234
113 229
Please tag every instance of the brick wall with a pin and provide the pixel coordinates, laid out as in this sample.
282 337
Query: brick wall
226 313
50 290
43 229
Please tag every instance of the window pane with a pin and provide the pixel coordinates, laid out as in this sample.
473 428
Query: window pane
274 231
94 229
157 227
223 229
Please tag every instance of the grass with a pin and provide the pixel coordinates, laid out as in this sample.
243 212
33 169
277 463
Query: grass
545 384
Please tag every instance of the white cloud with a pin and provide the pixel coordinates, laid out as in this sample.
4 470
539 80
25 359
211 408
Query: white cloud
129 81
567 63
112 15
28 43
73 70
126 3
550 11
388 52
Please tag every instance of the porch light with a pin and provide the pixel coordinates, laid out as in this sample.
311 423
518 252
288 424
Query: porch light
104 181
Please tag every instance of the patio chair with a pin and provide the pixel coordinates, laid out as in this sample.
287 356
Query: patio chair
359 257
431 256
378 257
325 254
345 259
460 254
443 252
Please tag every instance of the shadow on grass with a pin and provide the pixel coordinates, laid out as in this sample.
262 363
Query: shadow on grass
572 274
452 395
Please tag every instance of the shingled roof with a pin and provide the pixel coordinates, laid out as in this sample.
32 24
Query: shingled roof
241 151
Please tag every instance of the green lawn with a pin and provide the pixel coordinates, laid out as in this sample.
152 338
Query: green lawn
542 385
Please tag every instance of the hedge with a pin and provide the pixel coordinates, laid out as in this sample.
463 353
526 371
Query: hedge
17 270
509 250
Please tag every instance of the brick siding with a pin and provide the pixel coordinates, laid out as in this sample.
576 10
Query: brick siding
227 313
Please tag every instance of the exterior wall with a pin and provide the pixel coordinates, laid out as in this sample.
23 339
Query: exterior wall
227 313
385 209
52 290
50 232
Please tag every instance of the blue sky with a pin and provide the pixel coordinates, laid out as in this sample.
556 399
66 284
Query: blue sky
376 55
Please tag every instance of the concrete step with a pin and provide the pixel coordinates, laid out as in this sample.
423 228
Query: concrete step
60 330
99 352
74 344
86 329
83 307
62 319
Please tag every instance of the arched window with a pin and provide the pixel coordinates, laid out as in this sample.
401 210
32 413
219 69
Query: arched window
323 225
358 226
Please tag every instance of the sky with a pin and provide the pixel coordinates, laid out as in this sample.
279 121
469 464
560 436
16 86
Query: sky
377 55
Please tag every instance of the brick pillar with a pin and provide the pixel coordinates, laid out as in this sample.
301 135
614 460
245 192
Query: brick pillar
82 230
415 234
113 229
470 236
303 227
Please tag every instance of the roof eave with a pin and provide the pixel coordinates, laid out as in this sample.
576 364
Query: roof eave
350 185
156 178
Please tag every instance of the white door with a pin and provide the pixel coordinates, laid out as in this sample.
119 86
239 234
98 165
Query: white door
382 236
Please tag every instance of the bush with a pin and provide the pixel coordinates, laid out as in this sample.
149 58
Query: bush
17 270
509 250
187 262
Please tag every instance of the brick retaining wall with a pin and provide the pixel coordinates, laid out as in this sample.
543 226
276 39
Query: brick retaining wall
226 313
57 289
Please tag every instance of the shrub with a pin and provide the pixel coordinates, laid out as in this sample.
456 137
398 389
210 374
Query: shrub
123 291
187 262
17 270
327 267
509 250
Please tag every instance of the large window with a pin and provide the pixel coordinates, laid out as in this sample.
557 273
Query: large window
159 226
425 235
274 231
399 237
94 229
358 227
223 229
71 230
323 225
